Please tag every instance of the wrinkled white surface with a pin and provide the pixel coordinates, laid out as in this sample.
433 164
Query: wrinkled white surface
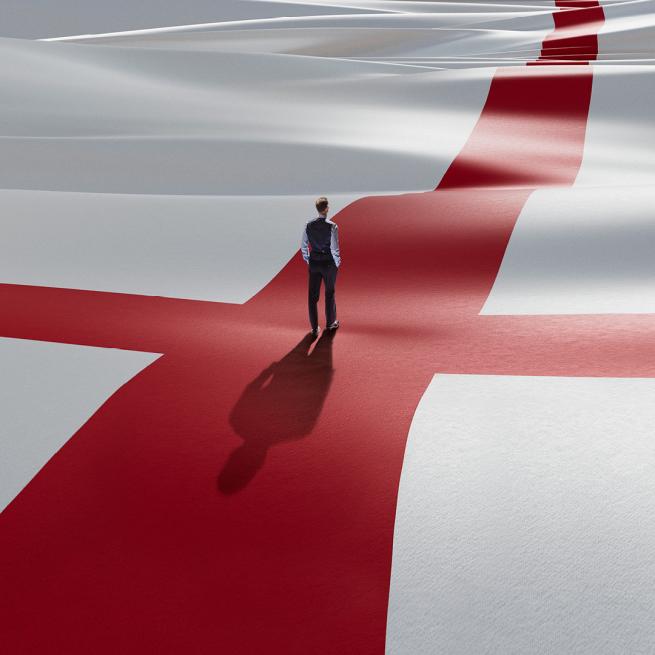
216 248
628 32
430 34
203 140
49 391
33 19
620 140
580 251
131 120
526 518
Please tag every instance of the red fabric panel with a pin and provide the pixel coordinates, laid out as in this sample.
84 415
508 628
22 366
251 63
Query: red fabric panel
238 495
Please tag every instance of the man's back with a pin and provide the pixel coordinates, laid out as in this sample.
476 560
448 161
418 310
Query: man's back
323 263
322 235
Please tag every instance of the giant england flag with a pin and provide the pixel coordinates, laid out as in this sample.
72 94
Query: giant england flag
465 466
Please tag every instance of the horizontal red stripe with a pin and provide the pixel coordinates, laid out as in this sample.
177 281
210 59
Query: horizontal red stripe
239 495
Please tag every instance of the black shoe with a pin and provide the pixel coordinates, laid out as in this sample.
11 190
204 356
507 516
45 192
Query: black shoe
334 326
316 331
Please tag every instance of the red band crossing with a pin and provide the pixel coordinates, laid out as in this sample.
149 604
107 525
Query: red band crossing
239 495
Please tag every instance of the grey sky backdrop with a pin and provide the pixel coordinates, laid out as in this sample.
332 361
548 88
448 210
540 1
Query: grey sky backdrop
39 19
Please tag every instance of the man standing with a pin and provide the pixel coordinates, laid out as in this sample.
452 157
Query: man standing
323 236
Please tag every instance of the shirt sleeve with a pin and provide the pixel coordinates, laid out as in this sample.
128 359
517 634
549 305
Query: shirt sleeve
334 245
304 248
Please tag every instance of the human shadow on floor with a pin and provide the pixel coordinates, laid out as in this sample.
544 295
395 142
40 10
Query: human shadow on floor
281 404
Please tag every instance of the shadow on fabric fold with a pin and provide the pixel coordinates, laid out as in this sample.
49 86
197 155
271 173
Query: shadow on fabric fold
281 404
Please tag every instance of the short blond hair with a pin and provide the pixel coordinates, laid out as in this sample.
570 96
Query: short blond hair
321 203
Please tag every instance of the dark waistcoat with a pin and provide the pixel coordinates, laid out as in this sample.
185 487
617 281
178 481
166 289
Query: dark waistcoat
319 235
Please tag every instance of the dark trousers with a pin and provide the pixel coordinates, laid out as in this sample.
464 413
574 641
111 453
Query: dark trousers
326 271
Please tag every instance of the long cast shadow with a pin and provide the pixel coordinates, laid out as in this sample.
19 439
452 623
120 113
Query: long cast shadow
281 404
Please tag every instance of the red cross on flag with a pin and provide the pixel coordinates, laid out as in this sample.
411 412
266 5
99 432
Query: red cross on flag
465 466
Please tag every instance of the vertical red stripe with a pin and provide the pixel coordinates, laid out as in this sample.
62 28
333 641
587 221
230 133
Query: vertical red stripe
530 133
575 38
238 496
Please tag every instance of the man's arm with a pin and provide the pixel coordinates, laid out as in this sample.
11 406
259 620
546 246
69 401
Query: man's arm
334 245
304 247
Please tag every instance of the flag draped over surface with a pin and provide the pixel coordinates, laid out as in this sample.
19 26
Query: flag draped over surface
464 466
